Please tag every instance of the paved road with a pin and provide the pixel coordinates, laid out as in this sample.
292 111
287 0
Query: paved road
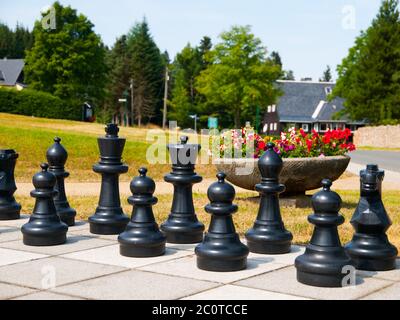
388 160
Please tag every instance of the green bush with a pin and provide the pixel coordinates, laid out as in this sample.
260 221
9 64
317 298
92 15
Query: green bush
39 104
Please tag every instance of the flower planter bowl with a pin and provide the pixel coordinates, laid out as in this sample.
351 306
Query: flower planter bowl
298 175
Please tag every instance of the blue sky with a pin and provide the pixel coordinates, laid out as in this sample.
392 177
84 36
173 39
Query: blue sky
309 34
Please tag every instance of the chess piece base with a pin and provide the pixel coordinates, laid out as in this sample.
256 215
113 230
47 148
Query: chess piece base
141 251
39 235
320 280
108 223
66 214
277 242
177 233
10 211
221 265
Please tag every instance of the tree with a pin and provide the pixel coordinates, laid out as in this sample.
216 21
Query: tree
276 58
288 75
369 77
240 76
327 75
14 43
69 61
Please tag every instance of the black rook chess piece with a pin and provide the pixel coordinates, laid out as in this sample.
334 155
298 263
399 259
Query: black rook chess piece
44 227
57 157
109 218
142 238
323 262
269 235
9 208
221 249
370 248
182 225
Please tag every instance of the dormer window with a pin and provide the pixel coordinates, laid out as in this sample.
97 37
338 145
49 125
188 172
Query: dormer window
269 109
328 90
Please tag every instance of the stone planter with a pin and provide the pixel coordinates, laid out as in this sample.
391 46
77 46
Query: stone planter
299 174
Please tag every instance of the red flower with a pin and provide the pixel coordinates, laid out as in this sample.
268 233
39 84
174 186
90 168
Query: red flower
303 133
261 145
309 145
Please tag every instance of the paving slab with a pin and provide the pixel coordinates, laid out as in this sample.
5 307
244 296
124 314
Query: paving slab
136 285
80 225
8 291
16 223
186 267
9 234
46 295
52 272
236 293
87 233
74 243
8 256
284 281
393 275
110 255
389 293
287 259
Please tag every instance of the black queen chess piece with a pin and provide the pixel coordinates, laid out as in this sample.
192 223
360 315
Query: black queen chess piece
142 237
221 249
323 263
57 157
109 218
370 248
268 235
9 208
44 227
182 225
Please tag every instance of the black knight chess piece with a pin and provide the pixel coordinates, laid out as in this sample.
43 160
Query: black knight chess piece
221 249
57 157
268 235
142 238
322 265
182 226
370 248
9 208
109 218
44 227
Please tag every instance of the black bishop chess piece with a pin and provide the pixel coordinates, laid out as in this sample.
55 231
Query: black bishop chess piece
44 227
109 218
268 235
322 264
9 208
221 249
370 248
142 237
57 157
182 226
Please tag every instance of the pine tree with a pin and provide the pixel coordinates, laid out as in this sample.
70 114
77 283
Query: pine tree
327 75
276 58
14 43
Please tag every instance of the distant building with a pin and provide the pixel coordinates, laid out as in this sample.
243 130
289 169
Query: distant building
11 73
304 104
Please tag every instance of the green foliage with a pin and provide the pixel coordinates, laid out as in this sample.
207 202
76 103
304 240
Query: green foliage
39 104
369 77
327 75
288 75
13 43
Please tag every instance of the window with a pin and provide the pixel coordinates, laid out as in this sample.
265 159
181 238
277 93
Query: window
305 127
269 109
323 127
265 129
328 90
273 108
271 127
275 127
316 127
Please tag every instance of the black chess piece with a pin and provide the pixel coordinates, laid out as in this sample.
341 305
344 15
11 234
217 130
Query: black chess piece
269 236
57 157
142 238
182 226
44 227
109 218
322 265
370 248
221 249
9 208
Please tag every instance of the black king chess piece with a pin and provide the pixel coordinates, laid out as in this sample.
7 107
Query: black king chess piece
44 227
109 218
57 157
9 208
370 248
221 249
269 236
323 262
142 238
182 226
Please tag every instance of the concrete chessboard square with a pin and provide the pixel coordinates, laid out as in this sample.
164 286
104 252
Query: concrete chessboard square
110 255
46 295
36 274
74 243
287 259
8 256
8 291
186 267
16 223
284 281
10 234
390 293
79 225
87 233
136 285
393 275
231 292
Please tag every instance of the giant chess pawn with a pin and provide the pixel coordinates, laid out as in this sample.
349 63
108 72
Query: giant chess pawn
182 226
370 248
57 157
109 218
323 262
269 236
221 249
142 238
9 208
44 227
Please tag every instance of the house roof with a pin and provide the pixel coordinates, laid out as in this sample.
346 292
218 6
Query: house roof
10 70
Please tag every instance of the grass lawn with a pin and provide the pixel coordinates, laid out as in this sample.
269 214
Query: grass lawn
295 219
377 149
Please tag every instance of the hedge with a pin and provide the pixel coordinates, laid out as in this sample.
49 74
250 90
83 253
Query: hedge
39 104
